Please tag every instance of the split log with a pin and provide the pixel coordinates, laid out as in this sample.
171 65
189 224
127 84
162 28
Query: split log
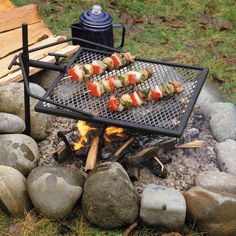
9 41
4 62
17 76
194 144
6 4
118 153
13 18
61 153
92 154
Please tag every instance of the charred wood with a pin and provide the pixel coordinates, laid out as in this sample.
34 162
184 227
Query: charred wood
133 173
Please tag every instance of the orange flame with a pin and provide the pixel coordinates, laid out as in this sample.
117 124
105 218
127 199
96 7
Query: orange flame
83 128
113 130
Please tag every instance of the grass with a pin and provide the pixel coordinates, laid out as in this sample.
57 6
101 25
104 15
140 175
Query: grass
150 35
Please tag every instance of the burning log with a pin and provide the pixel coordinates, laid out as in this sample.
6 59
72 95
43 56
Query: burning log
92 154
61 153
118 153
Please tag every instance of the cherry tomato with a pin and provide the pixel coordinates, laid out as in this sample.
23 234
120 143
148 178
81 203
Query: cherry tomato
155 95
72 73
111 85
93 89
96 69
113 104
115 60
132 79
134 101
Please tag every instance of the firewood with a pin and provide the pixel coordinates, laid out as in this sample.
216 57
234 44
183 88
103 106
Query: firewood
194 144
10 41
159 162
61 153
17 76
6 4
118 153
13 18
92 154
130 231
5 61
133 173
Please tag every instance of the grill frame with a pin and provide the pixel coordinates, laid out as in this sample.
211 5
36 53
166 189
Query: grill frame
71 112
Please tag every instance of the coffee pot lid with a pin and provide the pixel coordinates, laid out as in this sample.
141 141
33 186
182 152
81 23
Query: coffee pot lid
96 18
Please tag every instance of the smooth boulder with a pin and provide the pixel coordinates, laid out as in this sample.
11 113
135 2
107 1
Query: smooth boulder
217 181
109 199
54 190
163 207
19 151
10 124
226 156
13 194
213 213
12 101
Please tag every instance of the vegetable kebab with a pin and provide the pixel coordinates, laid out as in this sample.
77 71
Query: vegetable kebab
111 83
83 73
142 96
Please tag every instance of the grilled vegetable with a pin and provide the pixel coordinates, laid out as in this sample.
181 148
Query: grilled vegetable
140 97
129 78
83 73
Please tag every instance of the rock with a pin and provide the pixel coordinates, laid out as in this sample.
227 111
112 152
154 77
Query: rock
14 95
54 190
226 156
45 78
19 151
213 213
218 182
13 195
223 120
208 95
163 207
10 123
109 199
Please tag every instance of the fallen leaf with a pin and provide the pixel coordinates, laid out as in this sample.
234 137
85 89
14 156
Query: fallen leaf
15 229
210 7
217 78
112 5
175 23
123 17
155 21
206 19
172 234
139 20
231 60
224 26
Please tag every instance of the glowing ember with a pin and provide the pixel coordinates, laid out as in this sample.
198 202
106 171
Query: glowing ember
83 128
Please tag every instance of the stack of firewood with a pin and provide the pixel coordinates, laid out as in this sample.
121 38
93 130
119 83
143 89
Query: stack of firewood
11 19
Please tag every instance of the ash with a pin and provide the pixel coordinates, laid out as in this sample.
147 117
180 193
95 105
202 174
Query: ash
186 163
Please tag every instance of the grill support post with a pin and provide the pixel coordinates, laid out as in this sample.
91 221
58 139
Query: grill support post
25 59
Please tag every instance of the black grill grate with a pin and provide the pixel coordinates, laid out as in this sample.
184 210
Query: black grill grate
168 116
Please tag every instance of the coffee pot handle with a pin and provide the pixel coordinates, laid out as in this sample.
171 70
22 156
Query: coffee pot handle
123 34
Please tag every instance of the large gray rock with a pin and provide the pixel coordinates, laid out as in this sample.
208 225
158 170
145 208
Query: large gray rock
217 181
213 213
208 95
19 151
223 120
163 207
13 195
109 198
12 101
54 190
10 124
226 156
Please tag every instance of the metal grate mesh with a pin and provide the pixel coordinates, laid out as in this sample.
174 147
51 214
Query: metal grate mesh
165 114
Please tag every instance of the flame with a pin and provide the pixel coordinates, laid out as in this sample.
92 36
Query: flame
83 128
114 130
119 132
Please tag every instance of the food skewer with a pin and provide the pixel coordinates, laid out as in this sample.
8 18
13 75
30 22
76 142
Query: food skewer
83 73
111 83
142 96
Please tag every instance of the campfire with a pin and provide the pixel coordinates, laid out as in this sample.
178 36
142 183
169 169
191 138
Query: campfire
94 143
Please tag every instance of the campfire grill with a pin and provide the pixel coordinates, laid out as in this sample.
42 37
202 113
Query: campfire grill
71 99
